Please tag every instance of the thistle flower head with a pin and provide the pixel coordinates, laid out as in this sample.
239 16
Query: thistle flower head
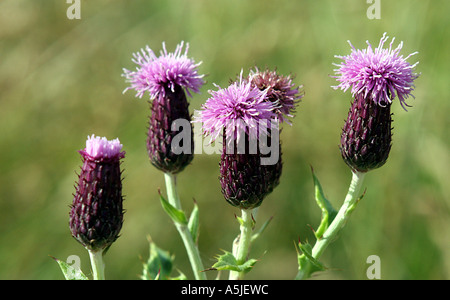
379 74
236 109
96 214
279 90
154 74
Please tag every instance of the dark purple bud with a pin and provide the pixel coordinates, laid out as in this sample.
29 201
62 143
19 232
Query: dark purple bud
96 214
165 109
366 136
245 182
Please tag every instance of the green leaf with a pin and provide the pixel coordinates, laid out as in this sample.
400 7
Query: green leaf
159 264
179 277
70 272
193 223
306 249
227 261
328 212
352 207
175 214
307 264
240 220
261 230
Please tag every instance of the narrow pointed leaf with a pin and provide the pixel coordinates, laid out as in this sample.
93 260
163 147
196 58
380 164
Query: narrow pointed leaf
261 230
328 211
352 207
175 214
193 223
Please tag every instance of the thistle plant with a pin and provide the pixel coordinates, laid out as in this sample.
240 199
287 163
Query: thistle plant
96 214
246 118
245 114
168 78
376 77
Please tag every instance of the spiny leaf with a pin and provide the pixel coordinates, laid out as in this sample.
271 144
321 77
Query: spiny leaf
159 264
227 261
306 249
70 273
307 264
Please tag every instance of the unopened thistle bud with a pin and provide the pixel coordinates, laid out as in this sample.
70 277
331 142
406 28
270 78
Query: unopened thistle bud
166 78
376 77
96 214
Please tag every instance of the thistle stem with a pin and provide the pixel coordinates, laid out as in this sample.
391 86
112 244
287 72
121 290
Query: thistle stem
98 267
242 243
339 221
186 236
342 216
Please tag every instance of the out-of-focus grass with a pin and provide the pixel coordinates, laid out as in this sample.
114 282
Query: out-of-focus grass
60 81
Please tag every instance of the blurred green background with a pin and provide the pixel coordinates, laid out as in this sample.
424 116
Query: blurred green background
60 81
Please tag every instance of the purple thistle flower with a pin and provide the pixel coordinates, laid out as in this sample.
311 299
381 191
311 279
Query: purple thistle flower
102 150
279 90
96 214
376 78
167 78
156 74
238 112
234 110
378 74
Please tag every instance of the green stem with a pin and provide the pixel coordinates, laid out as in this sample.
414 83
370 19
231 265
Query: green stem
338 222
242 243
186 236
98 267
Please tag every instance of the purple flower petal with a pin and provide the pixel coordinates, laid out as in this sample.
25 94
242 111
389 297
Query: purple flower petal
98 148
281 91
236 109
380 74
154 74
